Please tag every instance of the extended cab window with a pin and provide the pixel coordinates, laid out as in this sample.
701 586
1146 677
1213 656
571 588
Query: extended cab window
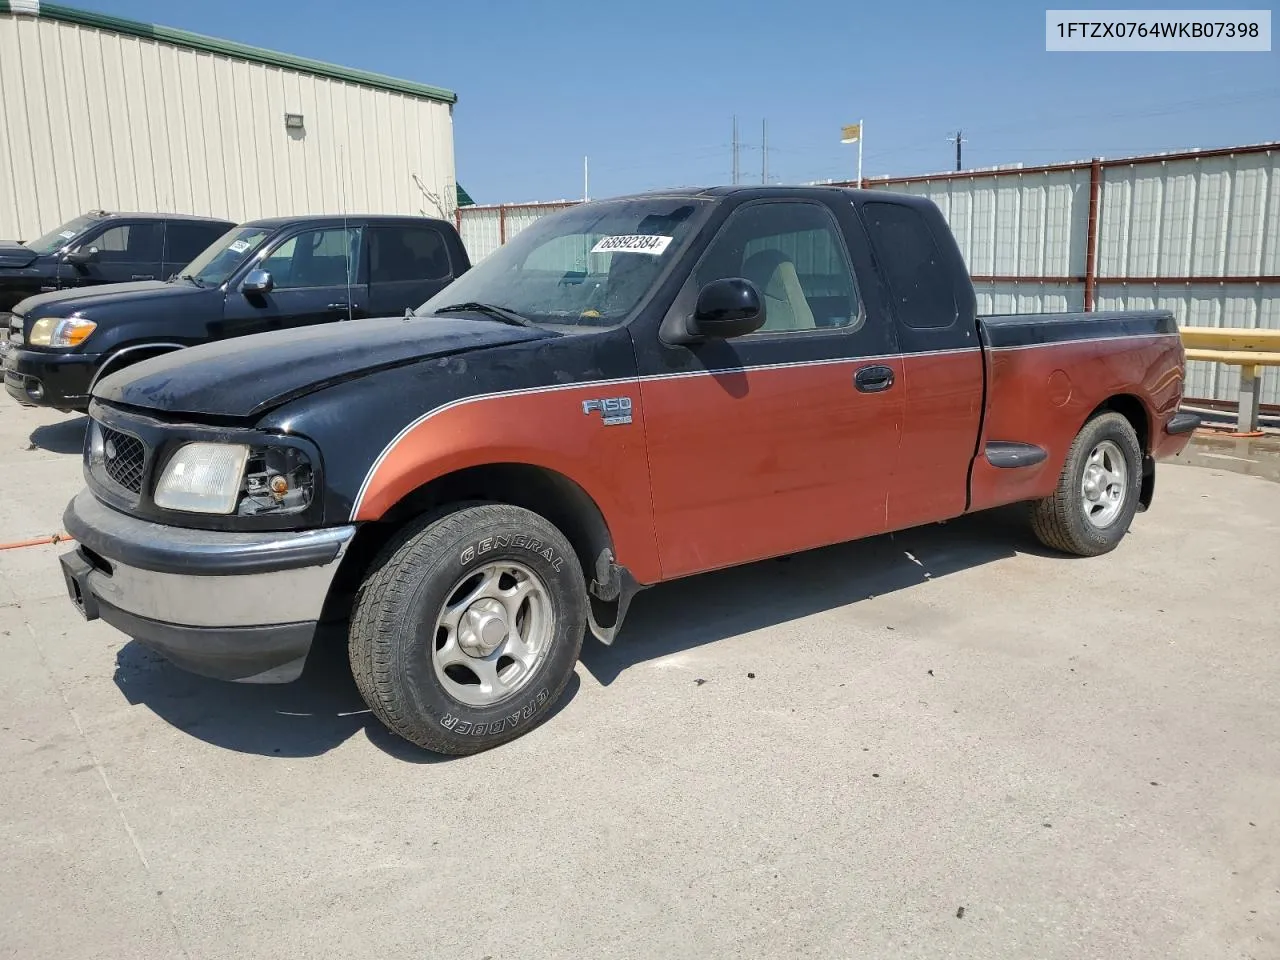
315 258
129 243
909 257
183 242
407 253
793 253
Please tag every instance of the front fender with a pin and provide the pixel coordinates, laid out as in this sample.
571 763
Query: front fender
546 428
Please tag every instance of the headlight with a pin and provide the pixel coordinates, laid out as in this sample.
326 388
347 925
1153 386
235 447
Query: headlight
61 332
226 478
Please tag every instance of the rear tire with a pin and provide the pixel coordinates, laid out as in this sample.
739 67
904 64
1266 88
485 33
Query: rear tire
1098 490
468 626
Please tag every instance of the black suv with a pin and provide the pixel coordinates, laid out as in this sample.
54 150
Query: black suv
259 276
101 247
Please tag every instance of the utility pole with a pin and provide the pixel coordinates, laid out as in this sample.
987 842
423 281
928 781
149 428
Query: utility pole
958 139
764 152
586 181
735 148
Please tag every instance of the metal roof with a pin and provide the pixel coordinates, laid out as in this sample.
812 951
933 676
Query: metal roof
226 48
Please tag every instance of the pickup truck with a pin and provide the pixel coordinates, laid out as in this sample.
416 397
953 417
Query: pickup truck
263 275
630 391
100 247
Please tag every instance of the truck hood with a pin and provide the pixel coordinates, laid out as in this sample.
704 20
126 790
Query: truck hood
15 255
63 303
247 376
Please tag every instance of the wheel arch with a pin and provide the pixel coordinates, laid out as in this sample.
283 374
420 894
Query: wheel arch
1133 409
131 354
541 490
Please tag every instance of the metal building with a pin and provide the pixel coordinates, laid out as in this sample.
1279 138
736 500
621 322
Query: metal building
98 112
1195 232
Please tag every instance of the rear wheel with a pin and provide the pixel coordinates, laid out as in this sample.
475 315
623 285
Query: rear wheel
468 627
1098 491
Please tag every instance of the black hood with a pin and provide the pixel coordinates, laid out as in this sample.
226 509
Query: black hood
15 255
246 376
63 303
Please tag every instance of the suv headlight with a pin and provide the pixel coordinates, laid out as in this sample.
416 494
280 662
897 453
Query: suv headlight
60 331
227 478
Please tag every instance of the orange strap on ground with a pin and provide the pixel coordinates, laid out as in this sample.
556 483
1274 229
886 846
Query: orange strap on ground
37 542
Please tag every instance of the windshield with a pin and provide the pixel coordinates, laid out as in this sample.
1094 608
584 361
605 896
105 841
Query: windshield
58 238
588 266
225 254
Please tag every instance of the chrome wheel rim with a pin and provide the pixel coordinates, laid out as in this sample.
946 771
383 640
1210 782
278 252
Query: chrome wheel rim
1104 484
492 632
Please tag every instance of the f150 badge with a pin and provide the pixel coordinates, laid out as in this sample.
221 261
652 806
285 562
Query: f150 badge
614 411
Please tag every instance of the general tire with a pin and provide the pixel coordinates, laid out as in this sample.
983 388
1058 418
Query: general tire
1060 521
393 634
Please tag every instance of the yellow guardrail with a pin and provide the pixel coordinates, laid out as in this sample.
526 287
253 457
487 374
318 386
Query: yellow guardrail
1250 350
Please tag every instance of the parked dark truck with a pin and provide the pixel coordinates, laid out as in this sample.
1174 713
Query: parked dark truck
100 247
263 275
629 392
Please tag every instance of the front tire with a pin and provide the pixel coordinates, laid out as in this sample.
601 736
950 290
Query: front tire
468 626
1098 491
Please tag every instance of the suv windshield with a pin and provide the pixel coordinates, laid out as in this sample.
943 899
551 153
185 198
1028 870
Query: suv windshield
58 238
224 255
588 266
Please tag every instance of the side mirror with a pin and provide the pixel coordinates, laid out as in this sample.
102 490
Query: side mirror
82 256
727 308
257 281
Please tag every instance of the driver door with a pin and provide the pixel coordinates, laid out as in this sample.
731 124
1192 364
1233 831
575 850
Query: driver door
309 273
780 440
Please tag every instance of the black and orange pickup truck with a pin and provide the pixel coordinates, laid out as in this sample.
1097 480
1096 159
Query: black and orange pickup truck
631 391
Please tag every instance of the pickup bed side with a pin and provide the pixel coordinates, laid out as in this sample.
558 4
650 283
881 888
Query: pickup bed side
1047 374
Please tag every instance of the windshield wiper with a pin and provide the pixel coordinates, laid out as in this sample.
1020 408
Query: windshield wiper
194 279
489 310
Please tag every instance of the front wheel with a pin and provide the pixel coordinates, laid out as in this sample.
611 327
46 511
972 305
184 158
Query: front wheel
1097 494
468 627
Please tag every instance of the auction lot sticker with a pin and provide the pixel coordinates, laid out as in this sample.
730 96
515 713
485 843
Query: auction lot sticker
632 243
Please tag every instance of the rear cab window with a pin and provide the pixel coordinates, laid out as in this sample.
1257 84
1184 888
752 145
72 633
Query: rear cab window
399 253
908 256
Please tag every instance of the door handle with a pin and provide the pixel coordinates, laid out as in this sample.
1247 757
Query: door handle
339 306
873 379
143 276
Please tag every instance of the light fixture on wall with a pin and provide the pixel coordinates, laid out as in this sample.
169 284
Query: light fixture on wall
293 121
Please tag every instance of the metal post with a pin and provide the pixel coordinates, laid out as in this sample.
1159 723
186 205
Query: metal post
1091 234
862 135
735 148
959 141
764 151
1250 399
502 225
586 181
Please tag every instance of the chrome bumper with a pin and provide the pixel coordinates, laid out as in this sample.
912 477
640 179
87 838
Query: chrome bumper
236 606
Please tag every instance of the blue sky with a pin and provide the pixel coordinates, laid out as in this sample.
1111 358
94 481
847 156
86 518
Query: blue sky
647 89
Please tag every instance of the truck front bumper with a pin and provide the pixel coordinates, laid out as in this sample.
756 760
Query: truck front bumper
233 606
60 380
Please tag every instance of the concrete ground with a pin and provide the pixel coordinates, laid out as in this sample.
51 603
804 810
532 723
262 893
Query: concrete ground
947 743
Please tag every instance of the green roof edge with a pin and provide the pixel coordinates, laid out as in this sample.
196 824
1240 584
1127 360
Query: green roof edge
228 48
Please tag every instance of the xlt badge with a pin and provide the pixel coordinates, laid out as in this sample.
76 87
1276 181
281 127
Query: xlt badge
614 411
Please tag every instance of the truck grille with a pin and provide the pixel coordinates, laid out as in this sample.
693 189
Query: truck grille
124 457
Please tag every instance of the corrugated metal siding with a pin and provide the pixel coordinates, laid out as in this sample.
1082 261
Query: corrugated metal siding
95 119
485 229
1026 225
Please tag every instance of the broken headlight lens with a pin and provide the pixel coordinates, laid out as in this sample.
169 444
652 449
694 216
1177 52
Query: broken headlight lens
277 480
233 478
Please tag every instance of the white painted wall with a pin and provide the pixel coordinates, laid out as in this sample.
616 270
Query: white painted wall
94 119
